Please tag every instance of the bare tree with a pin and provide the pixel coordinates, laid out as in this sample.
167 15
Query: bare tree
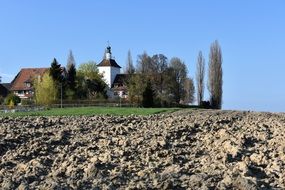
180 72
189 90
215 78
200 74
130 69
145 64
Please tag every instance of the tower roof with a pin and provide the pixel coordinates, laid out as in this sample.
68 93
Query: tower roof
108 63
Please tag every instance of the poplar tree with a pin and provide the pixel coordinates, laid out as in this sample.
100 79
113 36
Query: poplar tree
200 74
215 78
130 69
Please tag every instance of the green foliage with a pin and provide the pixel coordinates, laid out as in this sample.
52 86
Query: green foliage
69 94
95 111
11 104
136 86
45 90
71 73
26 102
148 96
56 71
12 99
89 70
89 82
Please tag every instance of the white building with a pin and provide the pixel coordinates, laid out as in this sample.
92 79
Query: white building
111 73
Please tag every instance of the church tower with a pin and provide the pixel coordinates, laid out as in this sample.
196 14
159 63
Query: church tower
109 67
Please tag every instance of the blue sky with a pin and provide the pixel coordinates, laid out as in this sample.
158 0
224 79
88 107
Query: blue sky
251 34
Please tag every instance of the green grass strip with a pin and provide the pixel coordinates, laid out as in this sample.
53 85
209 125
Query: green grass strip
93 111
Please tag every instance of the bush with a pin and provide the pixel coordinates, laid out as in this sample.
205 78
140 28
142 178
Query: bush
12 99
26 102
148 96
206 104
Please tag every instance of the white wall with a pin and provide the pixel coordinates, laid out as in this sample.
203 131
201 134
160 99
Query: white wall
115 71
106 74
109 74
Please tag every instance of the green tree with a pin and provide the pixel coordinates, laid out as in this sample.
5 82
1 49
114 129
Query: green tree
215 78
56 71
12 99
148 96
45 90
90 82
71 76
58 75
200 74
89 70
136 86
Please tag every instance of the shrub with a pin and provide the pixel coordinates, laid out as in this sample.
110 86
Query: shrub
12 98
26 102
206 104
11 104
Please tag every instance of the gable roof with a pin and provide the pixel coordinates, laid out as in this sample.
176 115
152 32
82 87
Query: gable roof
108 63
120 80
26 75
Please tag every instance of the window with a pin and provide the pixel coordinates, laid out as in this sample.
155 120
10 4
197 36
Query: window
28 84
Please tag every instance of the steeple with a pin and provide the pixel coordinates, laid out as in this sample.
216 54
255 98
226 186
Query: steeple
108 53
109 67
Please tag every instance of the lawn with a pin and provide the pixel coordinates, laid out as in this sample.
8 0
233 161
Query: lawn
93 111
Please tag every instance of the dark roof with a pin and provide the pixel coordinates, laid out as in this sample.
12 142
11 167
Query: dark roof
26 75
121 79
4 91
108 63
7 85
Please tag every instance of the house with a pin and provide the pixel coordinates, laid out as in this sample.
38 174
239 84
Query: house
22 85
119 86
5 89
111 72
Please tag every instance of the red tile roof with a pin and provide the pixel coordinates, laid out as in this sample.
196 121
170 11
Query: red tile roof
26 75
